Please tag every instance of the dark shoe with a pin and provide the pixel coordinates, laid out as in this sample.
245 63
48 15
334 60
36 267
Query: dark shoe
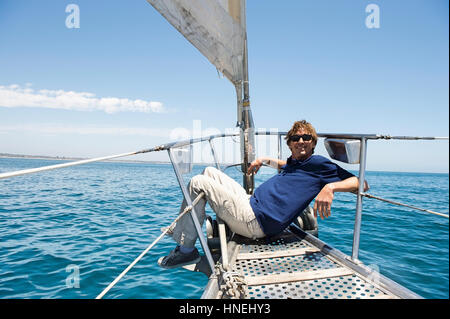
177 259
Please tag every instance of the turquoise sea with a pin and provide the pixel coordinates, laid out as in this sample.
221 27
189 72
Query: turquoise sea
68 233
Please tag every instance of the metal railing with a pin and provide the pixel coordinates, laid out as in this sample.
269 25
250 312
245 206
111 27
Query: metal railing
170 147
362 170
363 138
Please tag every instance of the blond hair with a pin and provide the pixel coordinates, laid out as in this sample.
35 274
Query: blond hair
302 125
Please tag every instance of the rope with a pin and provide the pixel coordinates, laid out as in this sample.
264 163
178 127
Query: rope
400 204
234 283
185 211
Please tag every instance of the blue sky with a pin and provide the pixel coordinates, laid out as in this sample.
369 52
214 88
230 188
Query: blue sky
128 79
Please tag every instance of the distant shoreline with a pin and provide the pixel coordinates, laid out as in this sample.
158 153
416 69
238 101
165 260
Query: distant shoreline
63 158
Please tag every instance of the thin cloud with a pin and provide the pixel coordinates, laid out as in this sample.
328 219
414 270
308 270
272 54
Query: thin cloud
86 130
16 96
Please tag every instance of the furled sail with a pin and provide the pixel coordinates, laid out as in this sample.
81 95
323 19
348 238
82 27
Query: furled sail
213 27
217 28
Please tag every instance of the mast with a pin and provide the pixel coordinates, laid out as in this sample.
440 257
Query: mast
217 28
244 113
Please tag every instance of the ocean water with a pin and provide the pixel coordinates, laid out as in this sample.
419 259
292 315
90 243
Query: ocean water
68 233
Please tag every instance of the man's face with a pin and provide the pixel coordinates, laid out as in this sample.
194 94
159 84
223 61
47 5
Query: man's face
302 149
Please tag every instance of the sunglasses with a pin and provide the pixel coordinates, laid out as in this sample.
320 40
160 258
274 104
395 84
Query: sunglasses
305 137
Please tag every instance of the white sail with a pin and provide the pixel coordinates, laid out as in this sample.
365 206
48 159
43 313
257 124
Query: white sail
217 28
214 27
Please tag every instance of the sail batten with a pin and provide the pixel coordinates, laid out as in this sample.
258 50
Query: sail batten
211 28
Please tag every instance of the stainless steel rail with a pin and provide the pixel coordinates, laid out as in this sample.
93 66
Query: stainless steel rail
169 146
358 215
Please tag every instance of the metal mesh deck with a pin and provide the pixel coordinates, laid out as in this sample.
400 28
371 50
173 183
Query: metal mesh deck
344 287
313 261
291 268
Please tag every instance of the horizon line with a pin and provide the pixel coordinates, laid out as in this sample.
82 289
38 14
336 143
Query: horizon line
65 158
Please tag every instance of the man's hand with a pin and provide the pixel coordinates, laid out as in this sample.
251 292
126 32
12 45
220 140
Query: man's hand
326 195
323 201
257 163
254 166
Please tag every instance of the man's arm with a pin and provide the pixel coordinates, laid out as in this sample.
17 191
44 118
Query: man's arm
257 163
326 195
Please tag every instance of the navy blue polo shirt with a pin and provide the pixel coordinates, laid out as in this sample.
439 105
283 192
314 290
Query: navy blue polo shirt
279 200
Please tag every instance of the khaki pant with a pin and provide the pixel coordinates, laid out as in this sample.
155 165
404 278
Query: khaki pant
227 199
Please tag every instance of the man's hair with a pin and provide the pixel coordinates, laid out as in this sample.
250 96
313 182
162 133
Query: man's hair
302 125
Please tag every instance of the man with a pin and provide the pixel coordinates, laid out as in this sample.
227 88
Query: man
274 204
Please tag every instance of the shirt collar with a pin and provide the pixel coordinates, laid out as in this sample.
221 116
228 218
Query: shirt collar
290 161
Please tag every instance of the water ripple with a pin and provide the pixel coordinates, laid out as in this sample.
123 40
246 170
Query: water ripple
96 219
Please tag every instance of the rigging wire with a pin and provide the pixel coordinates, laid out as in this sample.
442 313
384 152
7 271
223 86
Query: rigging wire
405 205
115 281
85 161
